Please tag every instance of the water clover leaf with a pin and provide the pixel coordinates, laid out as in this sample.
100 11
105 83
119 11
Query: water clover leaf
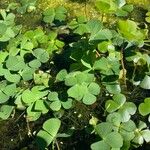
3 97
94 26
130 31
15 63
3 56
3 28
145 83
127 110
77 91
82 87
89 99
114 139
116 103
41 55
53 96
40 106
144 108
114 118
111 138
61 75
52 14
42 78
36 93
104 34
28 97
35 64
56 103
141 134
31 114
48 133
147 17
49 15
27 73
67 104
79 25
5 111
113 88
15 78
60 13
103 129
127 129
94 88
103 5
100 145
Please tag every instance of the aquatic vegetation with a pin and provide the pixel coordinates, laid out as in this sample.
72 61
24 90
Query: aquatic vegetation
76 73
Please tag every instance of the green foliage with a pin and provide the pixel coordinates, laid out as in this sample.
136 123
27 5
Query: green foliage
52 14
26 6
144 108
49 132
147 17
77 66
118 7
8 29
82 85
125 109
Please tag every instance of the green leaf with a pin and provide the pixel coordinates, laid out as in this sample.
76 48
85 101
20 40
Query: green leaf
101 145
146 135
9 90
103 129
41 55
145 84
89 99
5 111
127 110
114 118
113 88
3 97
3 28
94 26
35 64
40 106
49 15
144 108
70 80
43 139
15 63
116 103
3 56
46 136
28 97
27 73
77 91
60 13
52 126
15 78
94 88
104 34
31 114
53 96
114 139
67 104
55 106
103 5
